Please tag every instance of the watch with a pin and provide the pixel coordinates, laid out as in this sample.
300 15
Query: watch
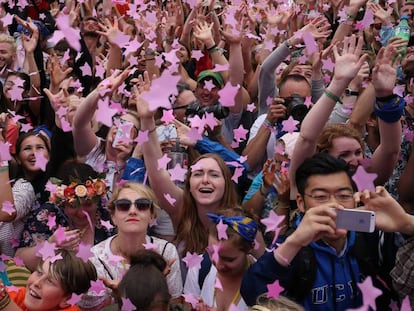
349 92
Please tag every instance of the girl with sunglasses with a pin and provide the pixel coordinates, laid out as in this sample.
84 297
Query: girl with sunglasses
133 208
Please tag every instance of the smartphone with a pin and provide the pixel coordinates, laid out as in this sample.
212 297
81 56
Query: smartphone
355 220
123 132
166 132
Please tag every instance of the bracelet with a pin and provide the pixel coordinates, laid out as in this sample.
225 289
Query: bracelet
332 96
267 124
281 258
262 192
212 49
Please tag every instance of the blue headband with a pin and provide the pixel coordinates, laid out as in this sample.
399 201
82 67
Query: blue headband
243 225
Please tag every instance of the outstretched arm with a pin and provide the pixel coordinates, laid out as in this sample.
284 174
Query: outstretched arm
347 65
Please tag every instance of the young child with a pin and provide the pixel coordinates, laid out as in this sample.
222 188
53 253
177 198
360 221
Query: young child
51 285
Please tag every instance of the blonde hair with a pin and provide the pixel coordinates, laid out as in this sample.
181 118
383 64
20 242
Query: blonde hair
265 303
4 38
139 188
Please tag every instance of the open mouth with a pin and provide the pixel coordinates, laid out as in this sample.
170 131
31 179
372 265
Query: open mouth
205 190
34 294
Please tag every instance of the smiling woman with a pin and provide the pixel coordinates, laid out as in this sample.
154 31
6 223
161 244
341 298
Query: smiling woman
133 209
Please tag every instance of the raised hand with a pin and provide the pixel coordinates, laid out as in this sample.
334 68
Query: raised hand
384 73
349 61
109 31
203 32
29 42
319 27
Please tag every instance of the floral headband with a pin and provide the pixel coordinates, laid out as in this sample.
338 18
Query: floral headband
77 192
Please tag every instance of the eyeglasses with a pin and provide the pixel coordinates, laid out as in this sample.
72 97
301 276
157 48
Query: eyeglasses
323 197
123 205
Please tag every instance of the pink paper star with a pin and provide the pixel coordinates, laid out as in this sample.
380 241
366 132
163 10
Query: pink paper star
5 151
218 285
84 252
167 116
150 246
209 85
364 180
7 19
177 173
106 224
310 43
104 114
8 207
328 64
160 90
369 292
127 305
60 235
290 125
240 133
274 290
163 161
228 94
251 107
272 222
193 260
222 230
46 250
74 299
191 299
41 161
142 137
169 199
406 305
51 221
237 173
98 287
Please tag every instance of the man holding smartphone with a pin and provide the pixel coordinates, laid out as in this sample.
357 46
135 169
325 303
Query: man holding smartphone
330 274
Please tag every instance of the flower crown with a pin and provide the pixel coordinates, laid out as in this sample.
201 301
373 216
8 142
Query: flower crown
76 192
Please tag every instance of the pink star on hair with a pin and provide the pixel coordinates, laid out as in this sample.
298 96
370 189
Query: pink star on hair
74 299
46 250
222 230
192 260
274 290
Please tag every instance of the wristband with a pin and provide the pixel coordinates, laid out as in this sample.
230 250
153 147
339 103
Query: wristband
332 96
212 49
389 111
267 124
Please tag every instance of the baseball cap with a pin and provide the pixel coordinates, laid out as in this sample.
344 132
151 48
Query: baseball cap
206 74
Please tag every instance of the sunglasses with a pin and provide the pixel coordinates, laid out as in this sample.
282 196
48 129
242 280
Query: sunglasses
123 205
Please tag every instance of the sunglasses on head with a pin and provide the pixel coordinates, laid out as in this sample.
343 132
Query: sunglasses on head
123 205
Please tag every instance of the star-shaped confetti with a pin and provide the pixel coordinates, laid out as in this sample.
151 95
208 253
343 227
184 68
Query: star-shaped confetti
364 180
369 292
274 290
193 260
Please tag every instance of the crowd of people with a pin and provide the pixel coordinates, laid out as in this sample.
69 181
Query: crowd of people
198 155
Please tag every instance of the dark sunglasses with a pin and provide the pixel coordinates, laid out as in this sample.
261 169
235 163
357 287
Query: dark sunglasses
123 205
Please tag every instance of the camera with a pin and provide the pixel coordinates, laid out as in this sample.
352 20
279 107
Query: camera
296 107
219 111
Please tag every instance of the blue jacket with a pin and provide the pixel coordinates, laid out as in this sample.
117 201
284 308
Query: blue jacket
336 276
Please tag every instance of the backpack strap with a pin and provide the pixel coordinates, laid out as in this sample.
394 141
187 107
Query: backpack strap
204 269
